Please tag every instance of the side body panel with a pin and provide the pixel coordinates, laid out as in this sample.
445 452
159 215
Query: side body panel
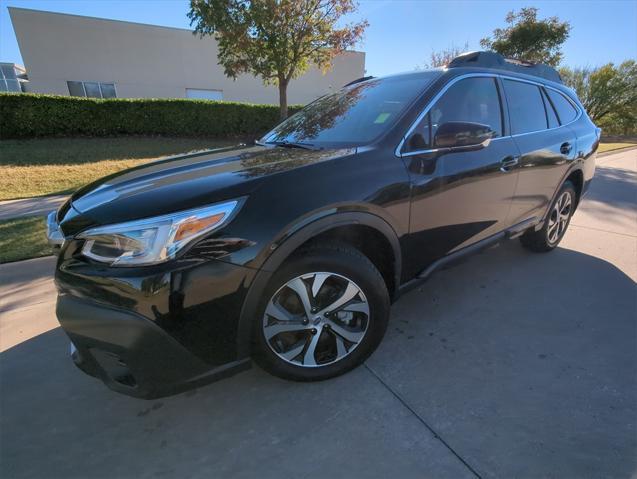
541 170
458 198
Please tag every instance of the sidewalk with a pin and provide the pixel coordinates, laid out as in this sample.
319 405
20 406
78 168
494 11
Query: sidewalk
27 300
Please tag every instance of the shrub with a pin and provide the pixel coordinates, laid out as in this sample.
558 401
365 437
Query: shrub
34 115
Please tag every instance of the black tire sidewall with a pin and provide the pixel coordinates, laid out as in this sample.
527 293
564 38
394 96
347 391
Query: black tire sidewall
350 264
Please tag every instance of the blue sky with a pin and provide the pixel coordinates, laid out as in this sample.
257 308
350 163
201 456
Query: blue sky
402 33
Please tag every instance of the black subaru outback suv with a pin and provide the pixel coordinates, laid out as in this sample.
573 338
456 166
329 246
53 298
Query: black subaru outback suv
290 251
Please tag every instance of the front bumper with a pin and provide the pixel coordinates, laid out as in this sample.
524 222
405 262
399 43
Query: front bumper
152 331
131 354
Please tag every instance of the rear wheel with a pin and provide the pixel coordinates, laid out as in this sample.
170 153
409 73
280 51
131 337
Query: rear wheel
562 209
324 312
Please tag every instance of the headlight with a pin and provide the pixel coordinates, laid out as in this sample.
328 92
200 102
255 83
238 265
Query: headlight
153 240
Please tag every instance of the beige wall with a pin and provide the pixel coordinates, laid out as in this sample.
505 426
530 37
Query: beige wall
146 61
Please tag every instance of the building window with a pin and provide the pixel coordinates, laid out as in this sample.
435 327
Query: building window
204 94
8 79
92 89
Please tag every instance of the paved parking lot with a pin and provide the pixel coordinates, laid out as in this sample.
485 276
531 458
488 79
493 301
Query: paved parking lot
511 364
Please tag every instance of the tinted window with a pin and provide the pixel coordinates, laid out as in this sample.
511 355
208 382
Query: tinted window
108 90
354 115
13 85
473 100
75 88
92 90
550 112
526 108
565 109
8 72
420 138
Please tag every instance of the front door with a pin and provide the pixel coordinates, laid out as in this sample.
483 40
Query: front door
459 196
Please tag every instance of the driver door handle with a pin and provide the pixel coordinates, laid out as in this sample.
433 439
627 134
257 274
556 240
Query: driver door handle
508 162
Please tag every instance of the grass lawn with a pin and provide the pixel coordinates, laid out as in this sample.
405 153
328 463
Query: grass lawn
23 238
61 165
613 146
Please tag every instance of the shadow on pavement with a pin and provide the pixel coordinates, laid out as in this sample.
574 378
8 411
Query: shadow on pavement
525 364
615 187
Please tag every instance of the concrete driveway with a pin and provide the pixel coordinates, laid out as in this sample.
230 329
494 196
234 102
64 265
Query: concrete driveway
511 364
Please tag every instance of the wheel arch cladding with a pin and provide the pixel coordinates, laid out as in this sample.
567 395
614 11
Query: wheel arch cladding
576 177
369 233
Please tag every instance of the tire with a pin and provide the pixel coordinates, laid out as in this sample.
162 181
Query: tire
349 306
561 211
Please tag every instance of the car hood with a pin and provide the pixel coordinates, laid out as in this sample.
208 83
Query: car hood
182 182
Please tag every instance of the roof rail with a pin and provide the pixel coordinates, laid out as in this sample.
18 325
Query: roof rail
358 80
495 60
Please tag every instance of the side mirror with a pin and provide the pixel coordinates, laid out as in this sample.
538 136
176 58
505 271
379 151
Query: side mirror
460 134
417 142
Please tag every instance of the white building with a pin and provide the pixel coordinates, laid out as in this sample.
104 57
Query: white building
83 56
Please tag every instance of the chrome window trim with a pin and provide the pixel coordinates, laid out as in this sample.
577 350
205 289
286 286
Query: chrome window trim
455 80
447 148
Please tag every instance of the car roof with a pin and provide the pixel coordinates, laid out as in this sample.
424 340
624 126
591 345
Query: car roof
459 71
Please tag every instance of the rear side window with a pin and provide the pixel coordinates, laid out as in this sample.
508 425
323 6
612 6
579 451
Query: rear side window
564 108
526 108
550 111
474 100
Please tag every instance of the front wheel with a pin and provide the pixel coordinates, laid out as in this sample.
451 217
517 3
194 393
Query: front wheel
562 209
324 312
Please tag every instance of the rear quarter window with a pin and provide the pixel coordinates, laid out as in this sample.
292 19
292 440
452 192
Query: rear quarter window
564 108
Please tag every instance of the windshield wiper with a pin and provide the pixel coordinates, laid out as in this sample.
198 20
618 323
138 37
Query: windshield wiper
293 144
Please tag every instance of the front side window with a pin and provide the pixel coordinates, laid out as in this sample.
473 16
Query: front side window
472 100
91 89
564 108
526 107
355 115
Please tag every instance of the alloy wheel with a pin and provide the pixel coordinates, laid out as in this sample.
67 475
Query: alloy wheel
560 215
316 319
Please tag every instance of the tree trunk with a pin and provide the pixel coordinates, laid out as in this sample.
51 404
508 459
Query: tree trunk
283 98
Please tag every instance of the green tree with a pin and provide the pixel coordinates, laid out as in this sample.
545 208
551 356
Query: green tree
609 94
276 40
530 39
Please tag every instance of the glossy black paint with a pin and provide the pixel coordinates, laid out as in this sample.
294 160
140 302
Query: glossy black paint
426 206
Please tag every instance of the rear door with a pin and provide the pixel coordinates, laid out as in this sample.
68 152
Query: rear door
546 147
458 196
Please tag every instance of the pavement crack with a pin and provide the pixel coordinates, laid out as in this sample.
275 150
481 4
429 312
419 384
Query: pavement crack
423 422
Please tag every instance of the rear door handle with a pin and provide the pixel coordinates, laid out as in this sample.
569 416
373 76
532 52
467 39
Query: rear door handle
566 148
509 162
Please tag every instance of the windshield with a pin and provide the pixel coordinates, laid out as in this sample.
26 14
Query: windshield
353 116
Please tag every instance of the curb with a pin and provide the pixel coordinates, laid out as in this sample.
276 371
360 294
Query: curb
618 150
